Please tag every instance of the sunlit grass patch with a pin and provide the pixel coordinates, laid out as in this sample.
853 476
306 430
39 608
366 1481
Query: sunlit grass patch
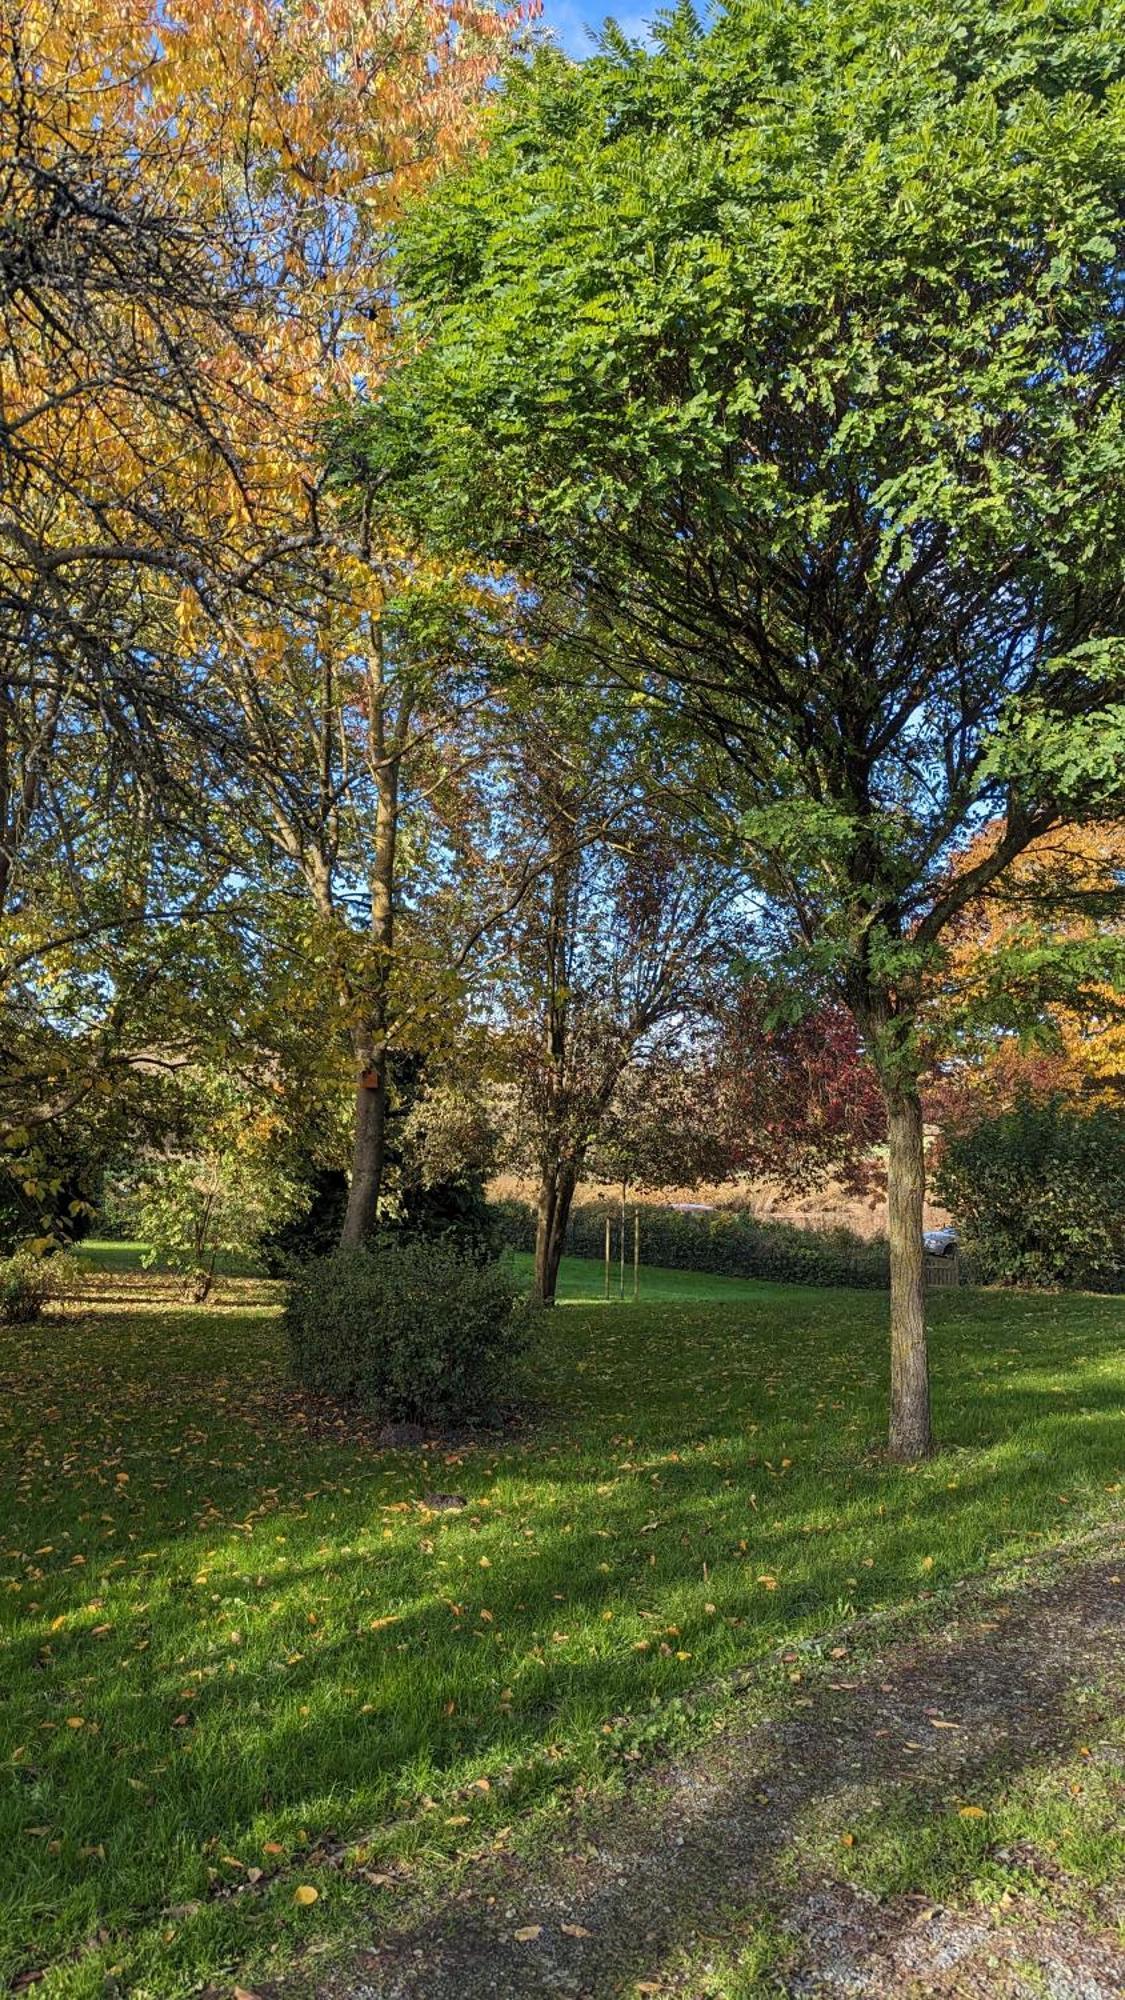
230 1643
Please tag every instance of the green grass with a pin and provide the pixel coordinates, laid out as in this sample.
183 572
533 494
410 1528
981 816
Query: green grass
229 1640
579 1278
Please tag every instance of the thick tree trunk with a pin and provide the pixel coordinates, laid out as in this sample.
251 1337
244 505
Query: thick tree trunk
910 1436
369 1148
556 1195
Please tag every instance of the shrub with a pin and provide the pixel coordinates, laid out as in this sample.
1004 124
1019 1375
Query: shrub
410 1330
27 1281
726 1242
191 1208
1039 1193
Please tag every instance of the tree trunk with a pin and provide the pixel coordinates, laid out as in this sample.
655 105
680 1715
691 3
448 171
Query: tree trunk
371 1041
369 1147
910 1435
556 1194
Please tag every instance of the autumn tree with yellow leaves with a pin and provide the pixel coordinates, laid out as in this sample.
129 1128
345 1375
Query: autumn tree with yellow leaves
197 213
1030 1000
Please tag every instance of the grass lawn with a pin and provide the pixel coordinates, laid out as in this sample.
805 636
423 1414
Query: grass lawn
231 1638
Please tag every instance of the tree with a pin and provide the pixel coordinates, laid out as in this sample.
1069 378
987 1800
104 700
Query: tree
1031 1005
767 1088
795 1094
194 274
321 119
663 1126
615 949
191 1209
1039 1190
792 350
112 425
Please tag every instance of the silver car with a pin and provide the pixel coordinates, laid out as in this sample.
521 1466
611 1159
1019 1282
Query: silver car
940 1242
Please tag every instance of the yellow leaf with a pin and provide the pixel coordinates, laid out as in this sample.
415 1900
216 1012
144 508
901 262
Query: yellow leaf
529 1933
971 1812
574 1930
306 1894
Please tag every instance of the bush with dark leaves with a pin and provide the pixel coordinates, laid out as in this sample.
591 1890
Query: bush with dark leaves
410 1331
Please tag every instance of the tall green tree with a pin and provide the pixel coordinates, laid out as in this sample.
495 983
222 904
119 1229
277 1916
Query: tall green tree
794 350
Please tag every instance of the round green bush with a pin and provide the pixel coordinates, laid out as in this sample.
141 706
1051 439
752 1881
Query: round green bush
411 1331
1039 1193
27 1281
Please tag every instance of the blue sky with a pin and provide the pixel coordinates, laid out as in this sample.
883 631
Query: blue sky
572 20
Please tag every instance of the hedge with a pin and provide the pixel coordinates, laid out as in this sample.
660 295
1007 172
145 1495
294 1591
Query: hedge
724 1242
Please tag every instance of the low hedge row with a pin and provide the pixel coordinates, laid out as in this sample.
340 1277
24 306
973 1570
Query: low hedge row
725 1242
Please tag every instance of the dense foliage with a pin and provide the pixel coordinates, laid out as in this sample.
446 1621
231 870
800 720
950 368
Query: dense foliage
789 350
1040 1192
27 1282
410 1331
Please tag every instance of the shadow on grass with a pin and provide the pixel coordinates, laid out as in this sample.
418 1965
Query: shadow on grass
691 1455
740 1829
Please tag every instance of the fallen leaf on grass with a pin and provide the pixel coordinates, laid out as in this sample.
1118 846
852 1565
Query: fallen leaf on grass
528 1934
970 1812
306 1894
575 1930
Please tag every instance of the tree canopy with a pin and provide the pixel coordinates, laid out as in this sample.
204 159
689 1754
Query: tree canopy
791 349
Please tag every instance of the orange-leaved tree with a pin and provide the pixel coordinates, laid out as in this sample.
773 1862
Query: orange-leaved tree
314 123
1031 1000
195 273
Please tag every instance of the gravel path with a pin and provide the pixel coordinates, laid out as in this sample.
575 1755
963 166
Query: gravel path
703 1846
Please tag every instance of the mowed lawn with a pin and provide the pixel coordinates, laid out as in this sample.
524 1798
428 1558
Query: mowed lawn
232 1639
